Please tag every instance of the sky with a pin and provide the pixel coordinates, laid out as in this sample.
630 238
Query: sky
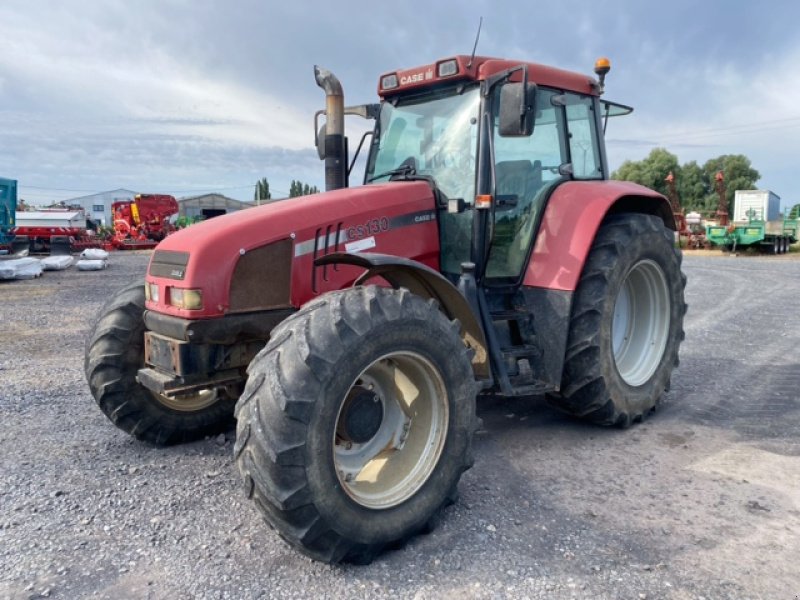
194 96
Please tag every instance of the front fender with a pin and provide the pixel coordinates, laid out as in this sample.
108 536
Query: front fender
570 222
423 281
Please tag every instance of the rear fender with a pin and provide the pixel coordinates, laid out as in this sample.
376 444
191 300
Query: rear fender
570 222
427 283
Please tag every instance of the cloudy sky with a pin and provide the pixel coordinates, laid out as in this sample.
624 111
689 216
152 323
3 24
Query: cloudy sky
189 96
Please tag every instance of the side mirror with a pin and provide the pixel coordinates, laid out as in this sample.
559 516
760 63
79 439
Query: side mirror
321 135
365 111
517 102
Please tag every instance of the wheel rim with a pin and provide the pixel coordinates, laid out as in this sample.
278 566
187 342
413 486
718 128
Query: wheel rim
390 430
190 402
640 326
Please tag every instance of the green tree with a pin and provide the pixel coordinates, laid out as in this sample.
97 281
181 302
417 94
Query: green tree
739 175
693 187
651 171
298 188
262 191
695 184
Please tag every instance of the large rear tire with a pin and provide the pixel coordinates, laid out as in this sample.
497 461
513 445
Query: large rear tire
626 324
356 422
115 353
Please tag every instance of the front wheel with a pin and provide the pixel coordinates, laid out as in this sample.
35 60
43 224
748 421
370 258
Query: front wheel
115 353
356 422
626 324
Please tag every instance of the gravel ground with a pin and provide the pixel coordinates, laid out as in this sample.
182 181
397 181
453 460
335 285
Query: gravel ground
700 501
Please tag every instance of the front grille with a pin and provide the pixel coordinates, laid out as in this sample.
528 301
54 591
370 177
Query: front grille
262 278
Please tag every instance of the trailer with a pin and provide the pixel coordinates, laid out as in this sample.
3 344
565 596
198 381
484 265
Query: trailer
55 231
757 223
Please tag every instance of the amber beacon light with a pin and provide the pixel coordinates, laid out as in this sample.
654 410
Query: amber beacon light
601 67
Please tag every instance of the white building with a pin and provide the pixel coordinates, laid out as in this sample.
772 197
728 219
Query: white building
98 206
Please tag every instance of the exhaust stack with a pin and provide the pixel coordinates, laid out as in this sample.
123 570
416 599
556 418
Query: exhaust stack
334 140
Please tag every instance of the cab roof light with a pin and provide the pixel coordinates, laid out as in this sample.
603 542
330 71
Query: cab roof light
601 68
447 68
389 82
602 64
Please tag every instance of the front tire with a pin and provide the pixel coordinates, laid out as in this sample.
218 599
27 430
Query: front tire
356 422
626 324
115 353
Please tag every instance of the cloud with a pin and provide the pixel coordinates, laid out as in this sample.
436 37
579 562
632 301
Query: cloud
179 93
715 107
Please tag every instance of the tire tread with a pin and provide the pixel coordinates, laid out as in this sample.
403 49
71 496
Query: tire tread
285 380
584 391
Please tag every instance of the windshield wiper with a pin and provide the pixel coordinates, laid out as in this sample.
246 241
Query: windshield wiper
404 170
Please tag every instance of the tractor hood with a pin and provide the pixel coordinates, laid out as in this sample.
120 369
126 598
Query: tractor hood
262 258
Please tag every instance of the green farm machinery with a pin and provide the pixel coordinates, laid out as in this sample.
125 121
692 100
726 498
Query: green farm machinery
758 224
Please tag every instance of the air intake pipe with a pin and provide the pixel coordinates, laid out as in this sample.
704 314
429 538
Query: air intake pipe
335 144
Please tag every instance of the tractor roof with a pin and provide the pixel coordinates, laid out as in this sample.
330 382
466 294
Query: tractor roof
480 68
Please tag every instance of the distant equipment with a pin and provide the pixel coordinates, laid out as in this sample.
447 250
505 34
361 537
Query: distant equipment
9 243
56 231
142 222
757 223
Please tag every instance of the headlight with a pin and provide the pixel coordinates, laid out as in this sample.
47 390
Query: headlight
151 292
186 299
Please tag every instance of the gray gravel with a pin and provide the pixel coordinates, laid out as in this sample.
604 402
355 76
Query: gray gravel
700 501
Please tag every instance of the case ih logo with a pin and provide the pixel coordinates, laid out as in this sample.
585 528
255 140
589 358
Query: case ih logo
417 77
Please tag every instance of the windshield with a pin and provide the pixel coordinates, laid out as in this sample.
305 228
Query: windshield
436 134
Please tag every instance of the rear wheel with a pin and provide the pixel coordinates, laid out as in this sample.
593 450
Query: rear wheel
115 353
356 422
626 323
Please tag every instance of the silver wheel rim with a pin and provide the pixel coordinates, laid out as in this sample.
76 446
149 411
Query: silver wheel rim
390 430
640 326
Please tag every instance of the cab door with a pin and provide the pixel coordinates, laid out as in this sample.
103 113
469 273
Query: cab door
563 146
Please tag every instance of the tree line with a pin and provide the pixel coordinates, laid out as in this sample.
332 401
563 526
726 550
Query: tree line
693 182
297 188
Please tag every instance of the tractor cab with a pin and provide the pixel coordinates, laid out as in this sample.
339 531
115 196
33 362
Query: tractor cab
494 145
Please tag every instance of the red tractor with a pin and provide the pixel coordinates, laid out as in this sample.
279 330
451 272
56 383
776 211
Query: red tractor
349 332
143 221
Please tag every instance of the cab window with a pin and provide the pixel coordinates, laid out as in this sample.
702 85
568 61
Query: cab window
525 169
582 131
